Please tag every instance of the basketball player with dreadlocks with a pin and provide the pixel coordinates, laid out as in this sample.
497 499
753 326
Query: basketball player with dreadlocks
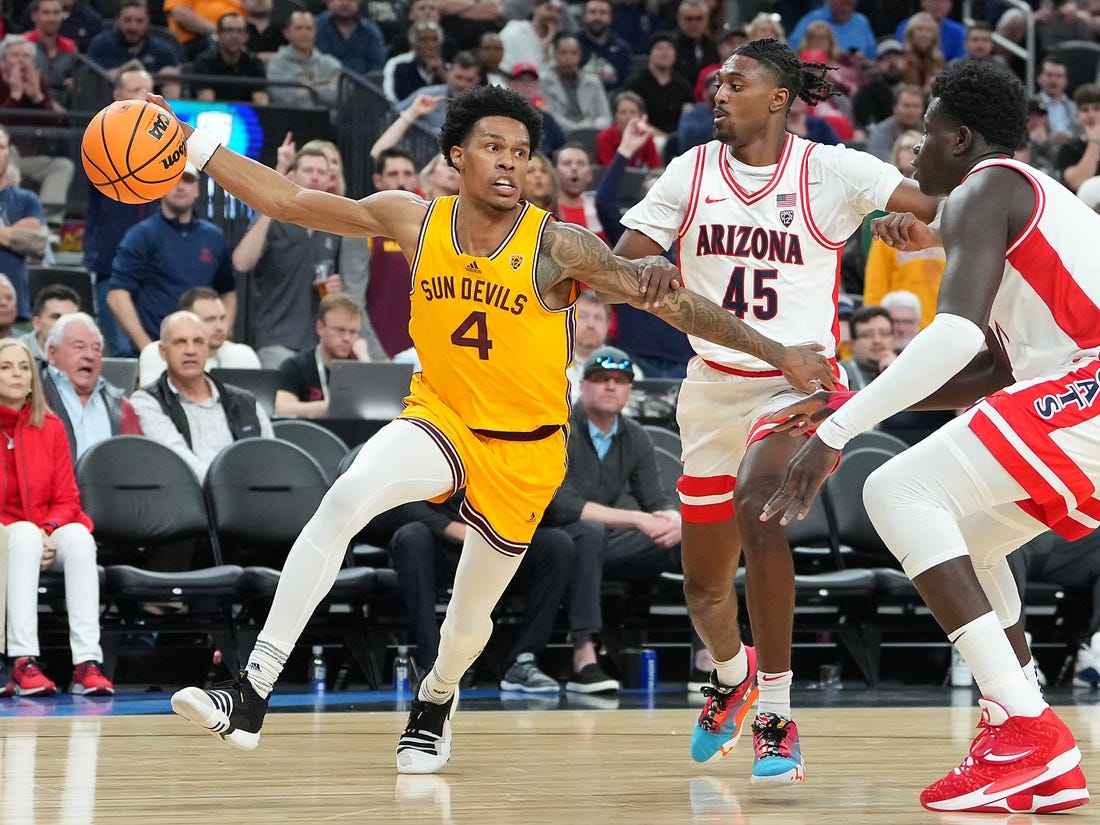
761 217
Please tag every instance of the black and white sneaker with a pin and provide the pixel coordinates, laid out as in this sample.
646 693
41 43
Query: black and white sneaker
425 746
230 711
591 679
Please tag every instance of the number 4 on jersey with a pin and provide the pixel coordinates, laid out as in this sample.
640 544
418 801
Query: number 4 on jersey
480 340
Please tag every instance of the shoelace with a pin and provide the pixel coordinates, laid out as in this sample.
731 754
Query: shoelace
714 714
421 711
773 738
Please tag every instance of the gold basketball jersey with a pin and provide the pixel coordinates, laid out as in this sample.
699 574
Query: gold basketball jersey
488 345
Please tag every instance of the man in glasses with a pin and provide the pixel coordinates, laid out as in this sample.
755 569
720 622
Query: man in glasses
303 378
609 455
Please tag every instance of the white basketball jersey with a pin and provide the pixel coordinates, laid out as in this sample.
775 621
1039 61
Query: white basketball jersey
770 254
1046 313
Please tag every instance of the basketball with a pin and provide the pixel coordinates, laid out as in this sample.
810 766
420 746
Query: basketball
133 151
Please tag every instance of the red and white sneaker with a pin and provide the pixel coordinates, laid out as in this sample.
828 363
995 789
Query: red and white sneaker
1009 755
30 680
88 680
1058 794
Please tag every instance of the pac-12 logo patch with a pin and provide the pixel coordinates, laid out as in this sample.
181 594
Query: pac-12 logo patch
516 261
786 204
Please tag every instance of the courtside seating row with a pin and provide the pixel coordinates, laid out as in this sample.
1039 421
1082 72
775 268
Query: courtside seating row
848 586
230 534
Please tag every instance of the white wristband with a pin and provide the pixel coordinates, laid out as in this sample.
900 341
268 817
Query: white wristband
200 148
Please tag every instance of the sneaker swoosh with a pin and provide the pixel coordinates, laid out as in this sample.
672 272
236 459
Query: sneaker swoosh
998 789
993 756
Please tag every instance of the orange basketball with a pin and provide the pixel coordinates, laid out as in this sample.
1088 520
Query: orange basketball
133 151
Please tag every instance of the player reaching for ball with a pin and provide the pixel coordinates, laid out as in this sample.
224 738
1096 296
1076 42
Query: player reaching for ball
492 319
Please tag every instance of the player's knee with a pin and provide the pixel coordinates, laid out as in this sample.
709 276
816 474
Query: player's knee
749 500
466 635
879 493
702 590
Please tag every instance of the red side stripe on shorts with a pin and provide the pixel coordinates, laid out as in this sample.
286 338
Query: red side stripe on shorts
706 513
705 486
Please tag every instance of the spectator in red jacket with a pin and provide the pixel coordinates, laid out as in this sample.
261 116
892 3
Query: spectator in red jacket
625 106
46 530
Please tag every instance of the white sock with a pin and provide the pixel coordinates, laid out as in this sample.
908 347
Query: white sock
987 651
733 672
435 690
265 663
775 693
1032 675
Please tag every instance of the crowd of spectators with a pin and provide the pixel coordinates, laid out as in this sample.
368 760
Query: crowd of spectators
623 86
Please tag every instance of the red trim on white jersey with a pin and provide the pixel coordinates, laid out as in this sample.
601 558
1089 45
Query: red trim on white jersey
749 198
696 186
1072 309
714 365
804 196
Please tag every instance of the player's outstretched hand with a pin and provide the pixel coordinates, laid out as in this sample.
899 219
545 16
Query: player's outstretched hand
657 276
805 368
160 101
806 473
905 232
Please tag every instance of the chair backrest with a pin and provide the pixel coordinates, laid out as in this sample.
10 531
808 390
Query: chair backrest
327 448
139 492
75 278
346 461
671 468
878 439
262 383
122 372
845 493
664 438
586 137
260 493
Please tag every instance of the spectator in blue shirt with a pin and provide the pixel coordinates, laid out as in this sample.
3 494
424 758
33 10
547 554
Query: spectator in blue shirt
353 40
852 29
161 258
602 50
106 220
952 33
130 40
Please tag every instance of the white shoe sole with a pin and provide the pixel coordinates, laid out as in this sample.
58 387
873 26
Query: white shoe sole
795 776
195 706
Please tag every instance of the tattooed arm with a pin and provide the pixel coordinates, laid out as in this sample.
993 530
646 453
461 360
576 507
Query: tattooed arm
572 252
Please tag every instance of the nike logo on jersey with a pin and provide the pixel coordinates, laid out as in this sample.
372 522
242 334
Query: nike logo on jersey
709 199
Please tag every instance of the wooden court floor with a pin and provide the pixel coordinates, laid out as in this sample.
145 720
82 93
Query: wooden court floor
509 767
